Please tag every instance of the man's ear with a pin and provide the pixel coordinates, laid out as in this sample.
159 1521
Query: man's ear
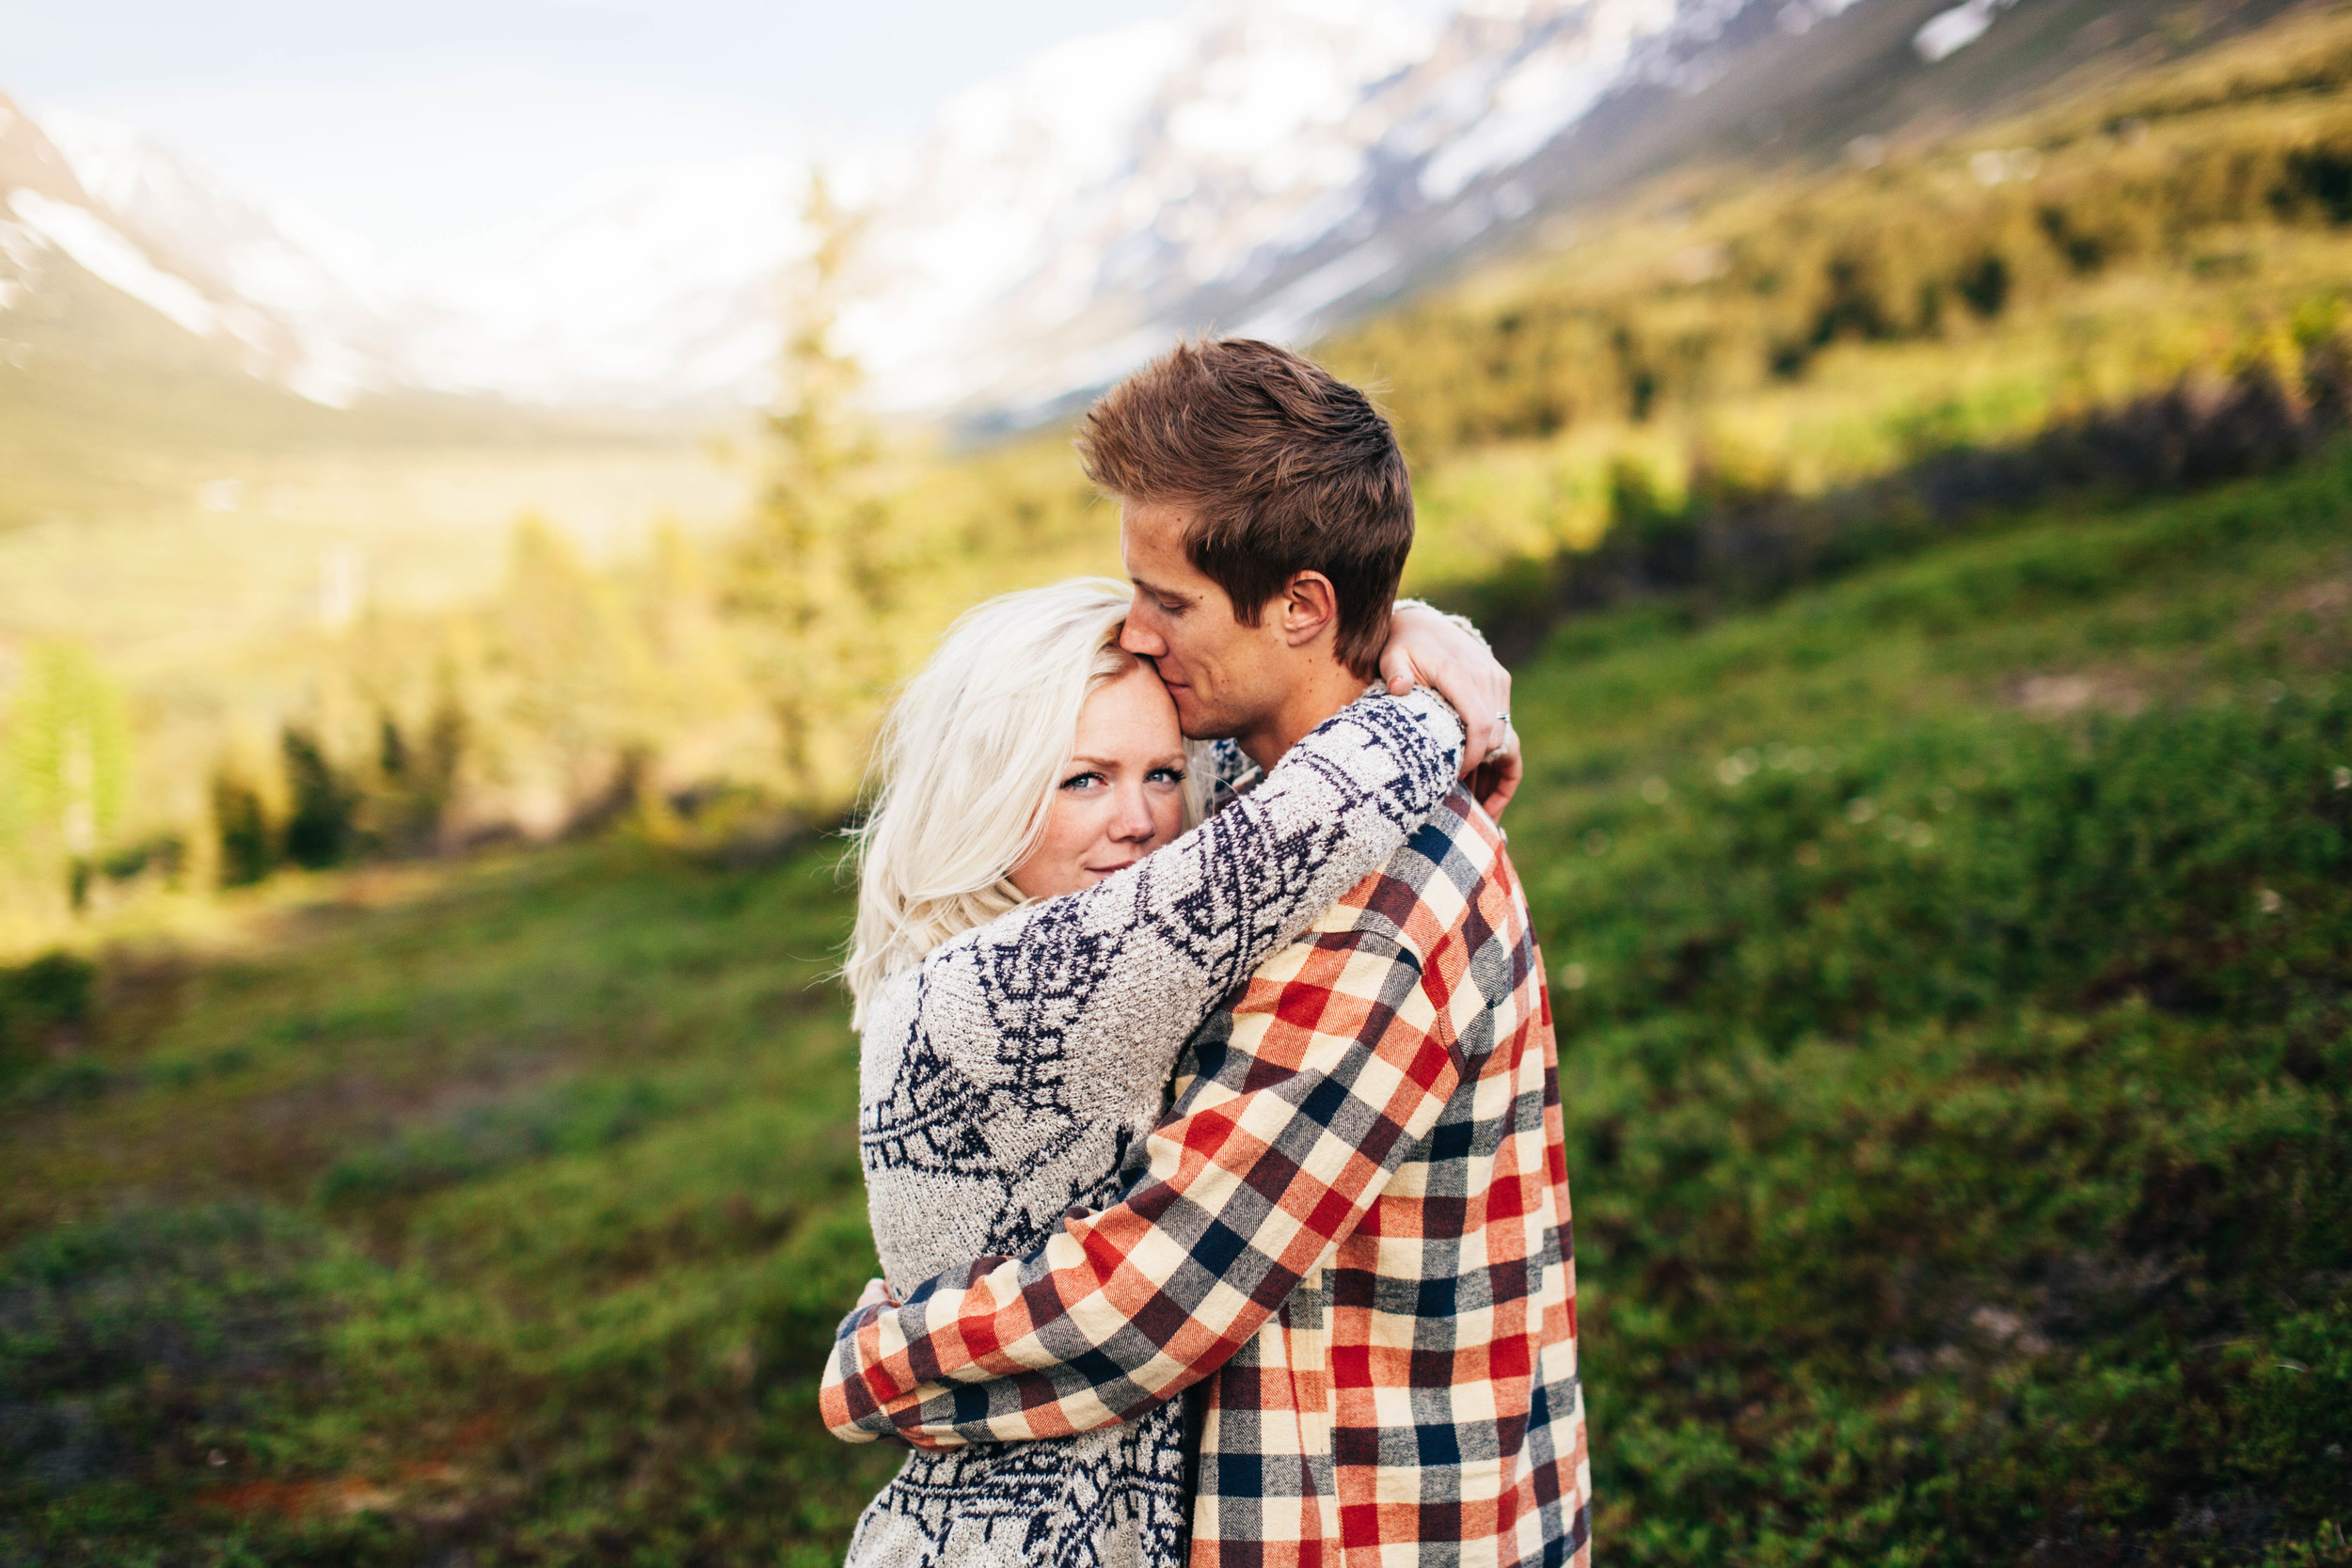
1309 607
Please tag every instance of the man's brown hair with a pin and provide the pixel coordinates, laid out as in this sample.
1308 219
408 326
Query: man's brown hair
1285 469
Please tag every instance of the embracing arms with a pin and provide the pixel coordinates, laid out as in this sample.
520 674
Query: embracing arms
1338 1062
1107 983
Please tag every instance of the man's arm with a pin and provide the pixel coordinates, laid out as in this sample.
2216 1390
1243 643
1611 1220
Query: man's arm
1336 1066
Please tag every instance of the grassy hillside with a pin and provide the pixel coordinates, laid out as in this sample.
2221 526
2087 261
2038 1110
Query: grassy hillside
1950 975
1948 965
510 1207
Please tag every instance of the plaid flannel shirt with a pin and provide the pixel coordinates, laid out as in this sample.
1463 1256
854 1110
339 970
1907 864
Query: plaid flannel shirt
1354 1224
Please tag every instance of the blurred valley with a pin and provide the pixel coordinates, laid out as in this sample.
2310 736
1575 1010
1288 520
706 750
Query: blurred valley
253 482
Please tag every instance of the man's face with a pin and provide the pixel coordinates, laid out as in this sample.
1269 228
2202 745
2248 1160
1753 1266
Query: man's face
1226 678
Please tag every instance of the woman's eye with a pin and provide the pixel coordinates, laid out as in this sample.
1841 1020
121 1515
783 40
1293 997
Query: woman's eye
1167 775
1081 781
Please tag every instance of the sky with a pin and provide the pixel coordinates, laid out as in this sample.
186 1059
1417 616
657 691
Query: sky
406 122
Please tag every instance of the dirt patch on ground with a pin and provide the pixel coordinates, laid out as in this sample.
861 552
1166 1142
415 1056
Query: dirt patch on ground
2307 629
2328 599
2043 694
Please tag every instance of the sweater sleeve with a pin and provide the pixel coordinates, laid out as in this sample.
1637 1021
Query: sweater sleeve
1109 982
1461 623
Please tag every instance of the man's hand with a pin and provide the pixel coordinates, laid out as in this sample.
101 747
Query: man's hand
1425 648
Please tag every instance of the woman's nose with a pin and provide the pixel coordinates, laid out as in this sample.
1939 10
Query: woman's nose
1132 822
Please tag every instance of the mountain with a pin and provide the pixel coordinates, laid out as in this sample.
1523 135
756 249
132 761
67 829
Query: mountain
1271 166
83 198
151 321
1406 155
296 292
107 355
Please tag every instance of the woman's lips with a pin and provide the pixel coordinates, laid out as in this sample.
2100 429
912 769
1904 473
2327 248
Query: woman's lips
1112 870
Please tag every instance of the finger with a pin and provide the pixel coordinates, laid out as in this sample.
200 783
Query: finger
1494 723
1478 741
1455 685
1505 775
1396 668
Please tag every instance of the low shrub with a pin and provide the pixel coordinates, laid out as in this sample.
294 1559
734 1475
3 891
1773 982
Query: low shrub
39 1000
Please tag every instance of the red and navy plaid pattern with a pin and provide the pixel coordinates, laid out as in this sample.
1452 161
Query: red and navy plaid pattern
1354 1224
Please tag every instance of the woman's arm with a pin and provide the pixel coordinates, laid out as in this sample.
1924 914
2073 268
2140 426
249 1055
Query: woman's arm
1103 987
1428 647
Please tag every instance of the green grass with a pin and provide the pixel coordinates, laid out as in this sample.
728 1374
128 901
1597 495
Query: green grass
1956 1082
1950 971
519 1206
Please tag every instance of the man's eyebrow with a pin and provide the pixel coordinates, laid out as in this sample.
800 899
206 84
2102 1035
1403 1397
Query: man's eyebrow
1157 592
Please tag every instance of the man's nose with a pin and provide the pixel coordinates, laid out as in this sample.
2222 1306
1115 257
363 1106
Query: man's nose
1140 639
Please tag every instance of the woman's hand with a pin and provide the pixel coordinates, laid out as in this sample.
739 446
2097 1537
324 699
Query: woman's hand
1427 648
875 1294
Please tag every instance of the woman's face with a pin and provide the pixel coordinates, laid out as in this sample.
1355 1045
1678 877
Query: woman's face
1121 793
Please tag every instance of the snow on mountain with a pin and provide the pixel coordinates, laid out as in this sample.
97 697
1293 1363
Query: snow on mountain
48 215
1059 213
103 253
291 291
1289 162
1260 165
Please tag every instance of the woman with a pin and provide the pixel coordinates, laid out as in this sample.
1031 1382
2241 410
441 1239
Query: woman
1035 943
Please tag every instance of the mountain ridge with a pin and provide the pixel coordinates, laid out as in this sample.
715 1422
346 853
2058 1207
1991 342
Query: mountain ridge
1276 170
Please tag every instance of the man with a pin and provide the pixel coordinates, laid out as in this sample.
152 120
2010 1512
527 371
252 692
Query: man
1348 1242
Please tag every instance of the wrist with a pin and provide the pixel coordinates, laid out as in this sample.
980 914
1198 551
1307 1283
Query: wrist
1423 609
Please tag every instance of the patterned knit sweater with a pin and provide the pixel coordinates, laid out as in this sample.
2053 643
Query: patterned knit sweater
1005 1078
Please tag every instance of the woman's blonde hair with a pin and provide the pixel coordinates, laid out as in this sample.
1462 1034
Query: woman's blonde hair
966 764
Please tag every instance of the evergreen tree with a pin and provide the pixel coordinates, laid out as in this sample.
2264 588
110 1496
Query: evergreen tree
321 827
815 574
581 688
249 850
65 760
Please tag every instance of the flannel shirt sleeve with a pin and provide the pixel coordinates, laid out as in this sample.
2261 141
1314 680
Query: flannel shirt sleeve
1338 1063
